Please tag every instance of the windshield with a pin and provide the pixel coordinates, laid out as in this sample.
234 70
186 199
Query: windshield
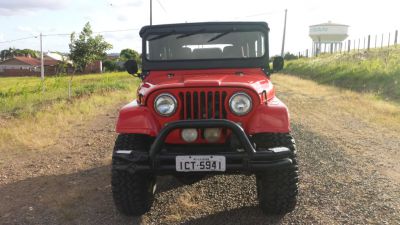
196 45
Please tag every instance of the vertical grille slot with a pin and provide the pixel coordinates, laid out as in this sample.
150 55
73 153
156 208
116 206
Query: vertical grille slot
182 105
188 105
224 105
217 105
196 105
202 105
210 102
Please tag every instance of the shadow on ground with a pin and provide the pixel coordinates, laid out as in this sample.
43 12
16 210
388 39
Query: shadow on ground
243 216
85 198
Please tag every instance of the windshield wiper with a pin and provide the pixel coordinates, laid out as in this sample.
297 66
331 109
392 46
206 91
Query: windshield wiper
190 34
221 35
162 36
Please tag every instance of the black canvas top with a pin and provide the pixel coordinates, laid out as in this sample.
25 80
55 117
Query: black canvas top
208 26
261 62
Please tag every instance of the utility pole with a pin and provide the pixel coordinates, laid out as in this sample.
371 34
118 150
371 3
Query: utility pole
151 12
284 35
41 58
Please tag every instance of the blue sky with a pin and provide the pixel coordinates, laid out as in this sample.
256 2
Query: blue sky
22 18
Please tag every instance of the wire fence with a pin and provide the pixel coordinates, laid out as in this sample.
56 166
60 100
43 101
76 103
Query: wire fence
364 43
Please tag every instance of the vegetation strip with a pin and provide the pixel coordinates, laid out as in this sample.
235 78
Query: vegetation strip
25 96
376 71
34 121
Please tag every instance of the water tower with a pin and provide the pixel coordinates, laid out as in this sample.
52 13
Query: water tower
328 37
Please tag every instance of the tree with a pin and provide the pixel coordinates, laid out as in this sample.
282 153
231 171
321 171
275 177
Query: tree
110 65
127 54
8 53
289 56
86 49
12 52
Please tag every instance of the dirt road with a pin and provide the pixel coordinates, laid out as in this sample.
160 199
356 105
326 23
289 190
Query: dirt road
349 174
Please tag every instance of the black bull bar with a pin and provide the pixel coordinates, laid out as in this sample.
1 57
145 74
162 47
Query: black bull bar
248 160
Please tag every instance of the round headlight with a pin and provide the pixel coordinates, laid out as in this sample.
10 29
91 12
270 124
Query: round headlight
240 103
165 104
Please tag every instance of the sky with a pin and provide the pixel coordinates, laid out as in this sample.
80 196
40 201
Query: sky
26 18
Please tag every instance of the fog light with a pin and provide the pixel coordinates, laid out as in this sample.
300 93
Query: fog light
212 134
189 135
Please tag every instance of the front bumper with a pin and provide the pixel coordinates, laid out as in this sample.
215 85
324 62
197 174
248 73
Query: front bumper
162 162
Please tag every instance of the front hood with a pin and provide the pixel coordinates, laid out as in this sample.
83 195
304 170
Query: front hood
253 79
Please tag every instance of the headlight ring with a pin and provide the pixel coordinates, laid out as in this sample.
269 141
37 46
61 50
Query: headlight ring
240 103
165 104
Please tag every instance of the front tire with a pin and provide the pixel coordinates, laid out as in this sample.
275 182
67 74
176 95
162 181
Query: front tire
277 189
133 193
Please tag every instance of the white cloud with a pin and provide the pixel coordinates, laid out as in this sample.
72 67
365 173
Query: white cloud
24 29
2 37
17 7
125 3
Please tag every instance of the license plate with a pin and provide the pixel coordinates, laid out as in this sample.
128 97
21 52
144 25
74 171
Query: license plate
192 163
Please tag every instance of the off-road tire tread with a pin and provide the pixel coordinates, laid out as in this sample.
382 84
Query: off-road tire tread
131 192
277 189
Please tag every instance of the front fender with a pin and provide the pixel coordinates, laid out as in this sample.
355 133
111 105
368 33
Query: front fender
272 117
137 119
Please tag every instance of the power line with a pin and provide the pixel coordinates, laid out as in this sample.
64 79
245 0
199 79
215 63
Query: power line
257 15
67 34
18 39
159 2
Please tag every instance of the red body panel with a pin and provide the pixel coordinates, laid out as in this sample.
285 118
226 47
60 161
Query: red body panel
137 119
268 113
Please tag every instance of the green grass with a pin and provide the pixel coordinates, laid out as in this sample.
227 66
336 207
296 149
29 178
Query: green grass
376 71
24 96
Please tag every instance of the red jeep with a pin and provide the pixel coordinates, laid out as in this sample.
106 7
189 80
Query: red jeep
206 105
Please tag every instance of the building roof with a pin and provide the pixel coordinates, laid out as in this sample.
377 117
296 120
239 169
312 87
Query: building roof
329 23
30 61
54 55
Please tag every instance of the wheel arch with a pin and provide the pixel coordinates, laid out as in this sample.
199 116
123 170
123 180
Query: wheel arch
134 118
272 117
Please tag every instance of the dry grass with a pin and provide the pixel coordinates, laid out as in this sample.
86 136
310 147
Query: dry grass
376 71
362 124
367 107
187 202
41 129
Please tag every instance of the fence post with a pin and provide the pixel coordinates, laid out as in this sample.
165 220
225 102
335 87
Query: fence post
369 41
395 37
376 39
382 42
306 53
348 45
358 45
364 43
389 40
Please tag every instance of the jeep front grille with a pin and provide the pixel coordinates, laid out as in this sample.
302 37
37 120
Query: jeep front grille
202 105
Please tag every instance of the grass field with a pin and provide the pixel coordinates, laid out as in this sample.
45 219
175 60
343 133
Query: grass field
376 71
31 118
24 96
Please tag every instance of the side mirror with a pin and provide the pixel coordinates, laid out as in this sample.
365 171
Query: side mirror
278 63
131 66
